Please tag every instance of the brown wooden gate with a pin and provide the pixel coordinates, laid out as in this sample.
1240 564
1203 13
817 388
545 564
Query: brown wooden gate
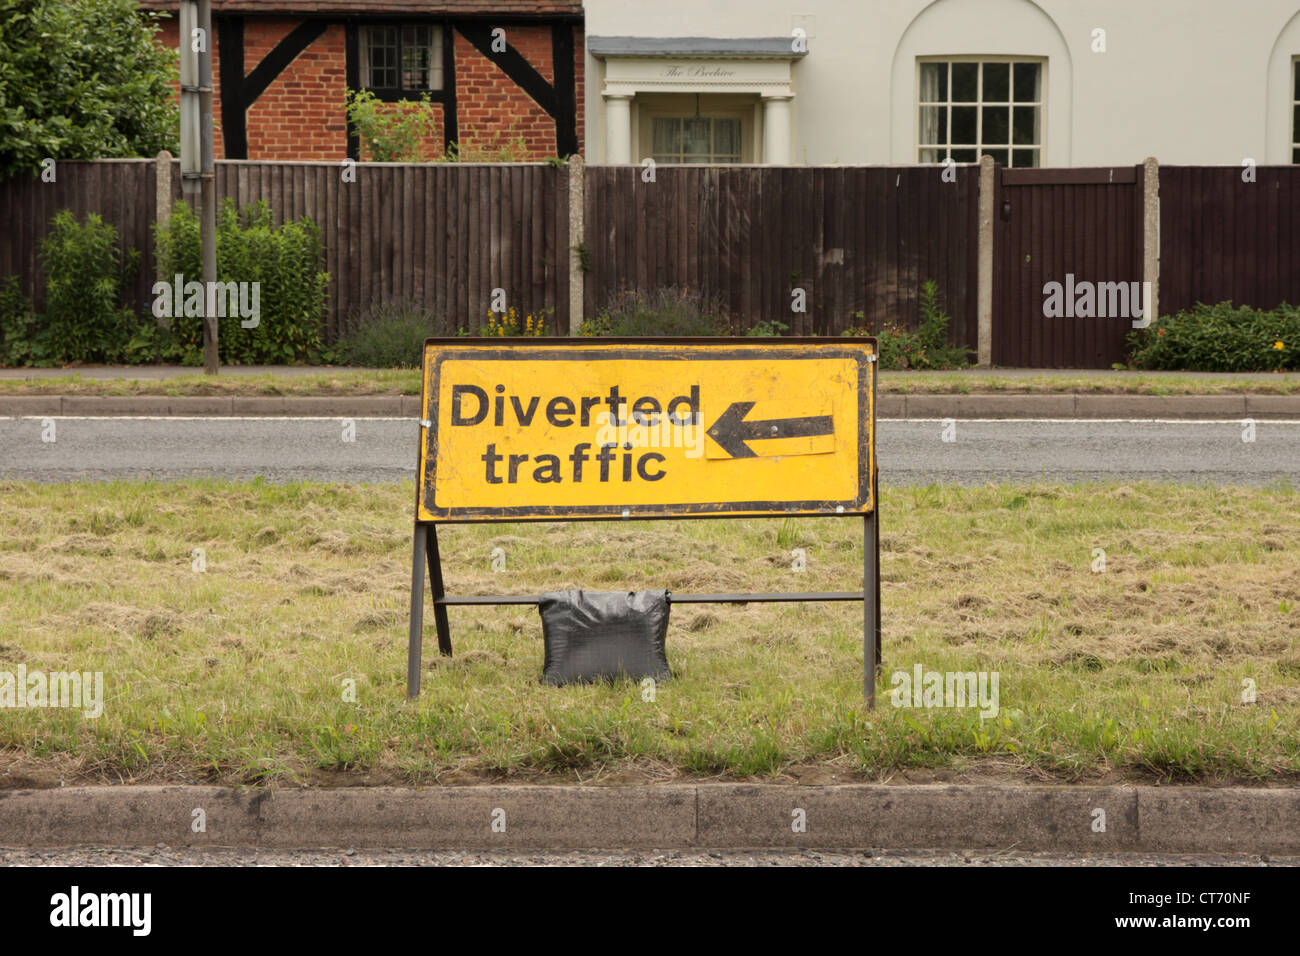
1070 226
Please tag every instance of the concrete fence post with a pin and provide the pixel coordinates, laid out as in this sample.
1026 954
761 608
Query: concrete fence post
163 187
162 209
985 283
1151 235
577 197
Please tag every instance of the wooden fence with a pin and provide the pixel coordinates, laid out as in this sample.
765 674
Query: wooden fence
854 241
1227 232
121 191
847 241
1062 225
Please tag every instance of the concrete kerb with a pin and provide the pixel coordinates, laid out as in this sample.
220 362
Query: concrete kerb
896 406
1093 819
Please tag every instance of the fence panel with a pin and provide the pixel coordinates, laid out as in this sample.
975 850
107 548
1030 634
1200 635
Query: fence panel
854 239
121 192
1066 226
1224 236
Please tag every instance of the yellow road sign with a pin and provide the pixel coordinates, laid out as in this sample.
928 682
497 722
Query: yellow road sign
622 428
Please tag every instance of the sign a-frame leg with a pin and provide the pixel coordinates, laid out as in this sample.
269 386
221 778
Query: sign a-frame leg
424 551
870 606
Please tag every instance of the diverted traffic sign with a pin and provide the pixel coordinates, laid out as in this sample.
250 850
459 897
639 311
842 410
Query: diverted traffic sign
637 428
582 429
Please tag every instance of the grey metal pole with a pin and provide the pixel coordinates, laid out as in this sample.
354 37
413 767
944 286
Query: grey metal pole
871 563
869 572
417 611
208 196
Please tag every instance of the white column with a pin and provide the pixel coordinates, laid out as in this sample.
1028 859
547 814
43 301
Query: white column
618 129
776 130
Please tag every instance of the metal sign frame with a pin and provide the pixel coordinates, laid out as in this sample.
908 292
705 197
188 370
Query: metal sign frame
425 550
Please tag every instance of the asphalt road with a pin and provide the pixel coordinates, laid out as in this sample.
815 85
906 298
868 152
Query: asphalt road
911 452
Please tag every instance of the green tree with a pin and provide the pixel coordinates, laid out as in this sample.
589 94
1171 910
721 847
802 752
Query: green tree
82 79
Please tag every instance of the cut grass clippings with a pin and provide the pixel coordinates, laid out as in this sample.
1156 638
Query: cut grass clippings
407 382
239 673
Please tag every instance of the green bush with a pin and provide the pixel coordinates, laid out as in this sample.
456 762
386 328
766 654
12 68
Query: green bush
85 281
925 347
392 132
17 325
768 329
1220 338
391 335
82 79
672 311
285 260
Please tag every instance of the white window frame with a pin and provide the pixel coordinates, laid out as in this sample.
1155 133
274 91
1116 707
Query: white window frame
1039 148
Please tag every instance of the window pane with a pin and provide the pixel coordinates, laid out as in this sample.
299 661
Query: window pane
695 136
1024 157
997 124
382 54
1025 129
1027 82
997 82
934 125
726 138
934 82
1297 79
965 82
416 58
1295 155
667 139
931 155
963 124
999 155
963 155
1295 124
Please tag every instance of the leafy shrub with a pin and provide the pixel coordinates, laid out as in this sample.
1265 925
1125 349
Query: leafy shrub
392 132
17 325
1220 338
671 311
285 260
82 79
391 335
768 329
85 281
926 347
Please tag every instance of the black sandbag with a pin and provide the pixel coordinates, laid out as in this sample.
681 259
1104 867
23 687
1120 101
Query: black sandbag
604 635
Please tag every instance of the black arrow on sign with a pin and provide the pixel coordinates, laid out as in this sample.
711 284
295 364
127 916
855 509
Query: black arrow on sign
731 431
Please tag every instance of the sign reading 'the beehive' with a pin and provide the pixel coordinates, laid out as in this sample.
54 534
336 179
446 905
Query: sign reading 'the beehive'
583 428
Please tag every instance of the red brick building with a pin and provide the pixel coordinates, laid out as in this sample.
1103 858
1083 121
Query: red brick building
495 73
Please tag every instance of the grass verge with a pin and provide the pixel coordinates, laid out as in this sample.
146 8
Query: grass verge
238 673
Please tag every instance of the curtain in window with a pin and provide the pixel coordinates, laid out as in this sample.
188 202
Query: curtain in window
932 117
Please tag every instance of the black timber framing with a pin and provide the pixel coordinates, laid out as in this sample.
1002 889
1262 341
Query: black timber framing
558 100
239 92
